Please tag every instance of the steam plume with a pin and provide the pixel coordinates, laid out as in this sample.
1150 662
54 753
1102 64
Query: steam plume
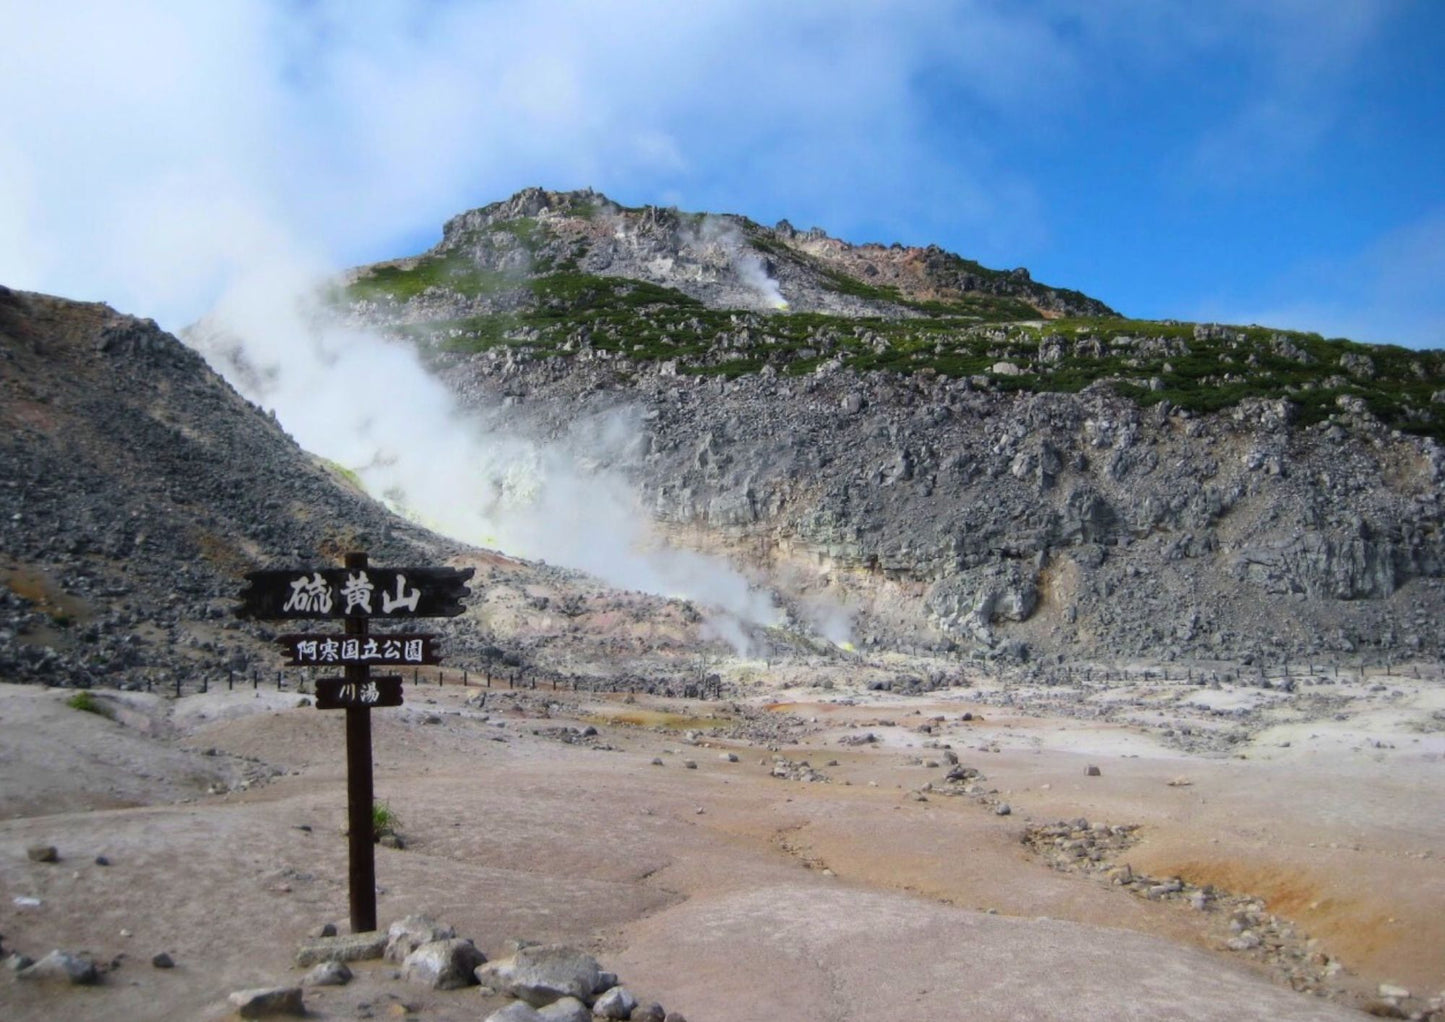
368 404
745 261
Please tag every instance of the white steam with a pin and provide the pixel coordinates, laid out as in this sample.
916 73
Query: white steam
369 405
755 275
745 261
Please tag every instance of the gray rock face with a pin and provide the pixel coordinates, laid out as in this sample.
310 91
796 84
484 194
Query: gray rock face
544 973
443 964
1075 524
723 260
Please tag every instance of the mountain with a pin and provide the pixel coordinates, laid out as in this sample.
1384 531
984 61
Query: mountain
968 461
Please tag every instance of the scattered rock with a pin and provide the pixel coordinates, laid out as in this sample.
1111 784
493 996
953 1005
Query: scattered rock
1091 771
406 935
616 1003
62 967
42 853
352 947
796 770
269 1002
444 964
327 974
163 961
544 973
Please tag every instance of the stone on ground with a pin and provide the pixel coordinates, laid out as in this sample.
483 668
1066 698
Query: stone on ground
62 967
616 1003
327 974
544 973
444 964
566 1009
406 935
517 1011
269 1002
350 947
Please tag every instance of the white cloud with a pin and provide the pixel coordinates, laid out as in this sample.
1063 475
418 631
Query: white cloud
138 131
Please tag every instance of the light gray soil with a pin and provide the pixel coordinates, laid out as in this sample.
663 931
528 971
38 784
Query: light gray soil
720 891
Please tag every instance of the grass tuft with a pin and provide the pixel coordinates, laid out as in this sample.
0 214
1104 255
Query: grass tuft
86 702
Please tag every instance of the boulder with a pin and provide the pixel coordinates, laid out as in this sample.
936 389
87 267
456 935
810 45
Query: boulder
443 964
544 973
616 1003
406 935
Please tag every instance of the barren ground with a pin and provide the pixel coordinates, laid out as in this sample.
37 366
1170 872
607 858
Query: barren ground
721 891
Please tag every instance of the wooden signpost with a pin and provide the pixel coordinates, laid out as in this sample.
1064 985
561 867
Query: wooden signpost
357 593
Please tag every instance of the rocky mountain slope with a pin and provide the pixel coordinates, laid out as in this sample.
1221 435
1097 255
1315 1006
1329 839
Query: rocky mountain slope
137 487
967 460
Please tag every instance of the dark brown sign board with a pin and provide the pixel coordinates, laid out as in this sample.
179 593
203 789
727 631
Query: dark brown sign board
382 593
340 694
357 593
393 650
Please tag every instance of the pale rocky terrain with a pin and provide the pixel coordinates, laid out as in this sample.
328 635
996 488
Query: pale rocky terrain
667 845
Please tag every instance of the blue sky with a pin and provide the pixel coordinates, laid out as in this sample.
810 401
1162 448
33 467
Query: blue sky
1274 162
